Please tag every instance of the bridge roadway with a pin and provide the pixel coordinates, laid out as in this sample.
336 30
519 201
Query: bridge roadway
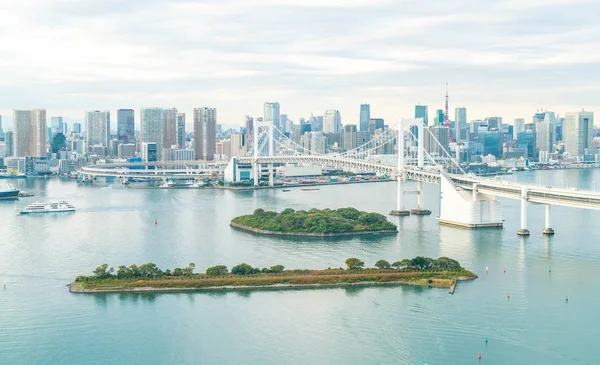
508 189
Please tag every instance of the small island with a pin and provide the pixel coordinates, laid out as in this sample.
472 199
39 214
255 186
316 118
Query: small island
315 222
443 273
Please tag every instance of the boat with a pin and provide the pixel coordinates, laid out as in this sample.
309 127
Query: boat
286 190
49 207
9 192
24 194
167 184
310 189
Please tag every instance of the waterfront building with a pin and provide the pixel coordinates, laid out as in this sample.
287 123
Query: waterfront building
460 120
125 125
236 145
29 132
113 147
332 121
126 150
365 117
349 137
578 132
97 128
170 128
159 125
149 151
179 154
421 112
271 114
181 130
205 135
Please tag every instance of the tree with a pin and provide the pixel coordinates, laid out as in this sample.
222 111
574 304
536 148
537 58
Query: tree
217 270
354 263
103 272
190 269
277 269
382 264
242 269
58 142
397 264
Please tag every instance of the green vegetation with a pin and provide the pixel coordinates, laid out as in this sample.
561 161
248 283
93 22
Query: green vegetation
326 221
440 272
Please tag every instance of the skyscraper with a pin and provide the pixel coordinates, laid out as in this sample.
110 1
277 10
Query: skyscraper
97 128
205 131
56 123
439 117
431 145
2 134
125 125
271 114
460 120
519 126
349 137
181 130
365 116
29 127
170 128
9 138
77 128
332 122
544 134
421 112
578 132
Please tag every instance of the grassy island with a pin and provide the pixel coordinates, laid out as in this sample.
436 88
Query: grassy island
443 272
314 222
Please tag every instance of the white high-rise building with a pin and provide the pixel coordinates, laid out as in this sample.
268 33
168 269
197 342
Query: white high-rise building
205 133
460 119
97 128
519 126
544 136
271 114
29 127
332 121
237 149
56 123
578 132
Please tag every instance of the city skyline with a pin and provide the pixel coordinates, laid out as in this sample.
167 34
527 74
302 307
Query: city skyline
505 59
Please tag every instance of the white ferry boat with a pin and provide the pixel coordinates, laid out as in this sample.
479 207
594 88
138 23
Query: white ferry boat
50 207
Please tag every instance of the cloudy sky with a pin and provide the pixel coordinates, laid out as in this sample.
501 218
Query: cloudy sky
500 57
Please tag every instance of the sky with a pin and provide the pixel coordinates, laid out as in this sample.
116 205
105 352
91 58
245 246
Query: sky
500 57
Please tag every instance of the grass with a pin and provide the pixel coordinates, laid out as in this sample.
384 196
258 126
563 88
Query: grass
289 277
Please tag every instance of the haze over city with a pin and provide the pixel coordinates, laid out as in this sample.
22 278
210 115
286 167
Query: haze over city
506 58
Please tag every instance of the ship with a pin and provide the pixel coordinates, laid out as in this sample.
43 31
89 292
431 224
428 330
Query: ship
9 192
50 207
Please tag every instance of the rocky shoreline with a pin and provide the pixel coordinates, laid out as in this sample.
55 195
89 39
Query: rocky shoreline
307 234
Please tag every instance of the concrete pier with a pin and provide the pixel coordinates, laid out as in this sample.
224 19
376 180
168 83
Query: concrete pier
418 210
547 226
523 231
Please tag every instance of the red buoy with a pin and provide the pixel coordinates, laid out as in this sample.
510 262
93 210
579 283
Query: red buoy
505 271
156 222
508 295
479 356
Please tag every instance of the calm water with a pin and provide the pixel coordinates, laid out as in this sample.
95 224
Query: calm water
42 323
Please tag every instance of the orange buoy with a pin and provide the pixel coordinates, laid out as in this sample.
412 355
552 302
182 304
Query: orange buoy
479 356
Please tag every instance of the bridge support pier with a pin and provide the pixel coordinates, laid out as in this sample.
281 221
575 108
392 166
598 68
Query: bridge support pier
271 183
400 211
419 211
255 170
523 231
547 230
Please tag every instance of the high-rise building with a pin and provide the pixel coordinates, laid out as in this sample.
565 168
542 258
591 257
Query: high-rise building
271 114
439 117
97 128
29 128
365 116
205 131
125 125
349 137
421 112
519 126
76 128
149 151
332 122
544 134
170 128
526 139
437 134
9 139
126 150
56 123
236 145
159 125
494 122
460 120
375 124
578 132
181 130
2 136
492 142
